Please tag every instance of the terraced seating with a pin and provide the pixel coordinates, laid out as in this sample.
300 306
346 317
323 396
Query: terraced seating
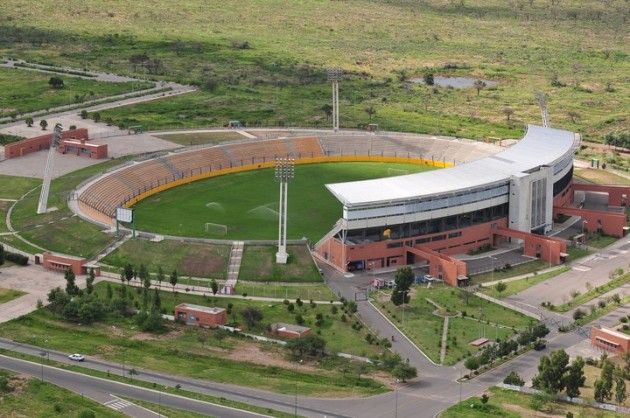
306 147
199 161
258 152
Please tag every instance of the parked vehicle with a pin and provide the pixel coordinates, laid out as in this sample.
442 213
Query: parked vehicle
76 357
391 284
424 279
540 345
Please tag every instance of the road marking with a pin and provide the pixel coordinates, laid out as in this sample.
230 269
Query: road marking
118 404
581 268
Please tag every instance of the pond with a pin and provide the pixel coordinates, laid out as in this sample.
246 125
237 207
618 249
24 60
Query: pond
455 82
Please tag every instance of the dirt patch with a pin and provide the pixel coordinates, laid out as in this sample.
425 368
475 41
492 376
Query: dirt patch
527 413
252 353
201 266
145 336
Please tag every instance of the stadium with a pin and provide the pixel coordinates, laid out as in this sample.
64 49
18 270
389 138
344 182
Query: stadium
485 194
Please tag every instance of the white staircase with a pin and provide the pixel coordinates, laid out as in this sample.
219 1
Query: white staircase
236 255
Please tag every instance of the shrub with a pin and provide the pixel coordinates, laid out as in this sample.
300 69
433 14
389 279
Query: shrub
19 259
513 379
578 314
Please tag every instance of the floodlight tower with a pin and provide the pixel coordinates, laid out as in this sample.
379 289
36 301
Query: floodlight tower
541 98
334 75
54 143
284 172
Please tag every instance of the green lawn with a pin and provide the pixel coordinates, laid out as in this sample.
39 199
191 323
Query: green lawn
12 187
30 397
425 329
179 352
518 286
190 259
4 209
30 91
517 270
9 294
258 71
247 203
509 404
259 264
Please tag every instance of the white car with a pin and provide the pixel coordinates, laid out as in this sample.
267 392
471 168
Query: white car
76 357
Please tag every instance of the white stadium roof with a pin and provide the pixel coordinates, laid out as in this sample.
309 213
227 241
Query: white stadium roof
539 146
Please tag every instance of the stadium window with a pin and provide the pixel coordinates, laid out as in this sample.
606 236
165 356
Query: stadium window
395 245
423 240
438 238
455 234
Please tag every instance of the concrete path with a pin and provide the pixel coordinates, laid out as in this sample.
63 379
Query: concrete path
444 339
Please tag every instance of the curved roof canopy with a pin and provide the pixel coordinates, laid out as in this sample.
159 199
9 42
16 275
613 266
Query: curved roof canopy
540 146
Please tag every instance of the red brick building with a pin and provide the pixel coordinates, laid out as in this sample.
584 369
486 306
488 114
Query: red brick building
288 330
201 316
610 339
83 148
27 146
61 262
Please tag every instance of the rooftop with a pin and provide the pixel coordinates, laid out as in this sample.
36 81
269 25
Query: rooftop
199 308
540 146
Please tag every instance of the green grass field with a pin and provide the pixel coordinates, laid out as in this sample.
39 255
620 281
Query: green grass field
9 294
12 187
518 286
247 203
30 91
271 70
425 329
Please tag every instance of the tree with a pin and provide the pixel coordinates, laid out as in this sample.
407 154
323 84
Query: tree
71 287
43 124
479 85
573 115
160 276
173 279
465 294
58 300
574 379
311 344
128 272
89 282
109 292
370 111
29 121
84 114
600 394
500 287
620 389
551 370
251 316
484 400
96 117
327 109
606 377
472 363
156 302
202 338
404 371
404 280
508 112
429 79
214 286
56 82
513 379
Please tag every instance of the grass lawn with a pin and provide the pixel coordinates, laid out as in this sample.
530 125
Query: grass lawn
259 264
599 241
601 176
199 138
425 329
593 293
12 187
230 360
518 270
257 71
30 91
30 397
4 209
509 404
9 294
247 203
517 286
15 242
191 259
305 292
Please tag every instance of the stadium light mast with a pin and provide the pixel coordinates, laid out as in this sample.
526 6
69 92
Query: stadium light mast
541 98
54 143
334 75
283 173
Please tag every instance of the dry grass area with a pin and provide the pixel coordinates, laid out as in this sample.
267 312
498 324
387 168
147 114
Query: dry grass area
601 176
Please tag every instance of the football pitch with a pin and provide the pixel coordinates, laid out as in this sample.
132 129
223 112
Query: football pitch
245 205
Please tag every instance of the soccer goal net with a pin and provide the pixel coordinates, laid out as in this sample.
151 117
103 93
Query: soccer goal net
216 229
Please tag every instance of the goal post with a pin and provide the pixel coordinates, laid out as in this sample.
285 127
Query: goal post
216 229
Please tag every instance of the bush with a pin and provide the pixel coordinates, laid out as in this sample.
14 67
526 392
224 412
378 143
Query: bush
19 259
513 379
578 314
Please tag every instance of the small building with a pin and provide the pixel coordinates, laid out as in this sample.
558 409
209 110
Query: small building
62 262
201 316
39 143
83 148
288 330
610 339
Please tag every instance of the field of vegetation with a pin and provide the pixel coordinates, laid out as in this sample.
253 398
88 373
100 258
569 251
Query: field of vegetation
227 358
247 203
266 65
477 318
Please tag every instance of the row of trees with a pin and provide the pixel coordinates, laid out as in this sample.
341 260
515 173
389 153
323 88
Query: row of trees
618 139
86 307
